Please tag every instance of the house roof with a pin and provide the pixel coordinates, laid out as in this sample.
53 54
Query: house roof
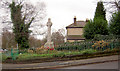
79 24
75 37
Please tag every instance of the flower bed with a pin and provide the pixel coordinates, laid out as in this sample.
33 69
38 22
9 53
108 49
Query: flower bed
96 45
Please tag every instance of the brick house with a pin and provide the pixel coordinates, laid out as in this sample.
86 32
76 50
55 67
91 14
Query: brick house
75 31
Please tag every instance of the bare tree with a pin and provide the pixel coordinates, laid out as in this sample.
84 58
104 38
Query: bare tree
112 5
29 13
35 42
29 10
8 39
58 37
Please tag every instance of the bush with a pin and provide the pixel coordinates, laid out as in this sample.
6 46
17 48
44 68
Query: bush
92 28
75 46
41 50
100 45
23 51
115 24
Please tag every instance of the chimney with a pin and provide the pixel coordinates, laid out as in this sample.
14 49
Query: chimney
75 20
87 19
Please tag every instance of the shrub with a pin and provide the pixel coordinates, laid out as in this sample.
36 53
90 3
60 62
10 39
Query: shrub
100 45
75 46
41 50
115 24
30 51
4 57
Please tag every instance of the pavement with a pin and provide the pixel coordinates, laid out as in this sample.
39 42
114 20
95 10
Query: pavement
105 65
60 64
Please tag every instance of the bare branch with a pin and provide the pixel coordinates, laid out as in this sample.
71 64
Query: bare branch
30 13
112 5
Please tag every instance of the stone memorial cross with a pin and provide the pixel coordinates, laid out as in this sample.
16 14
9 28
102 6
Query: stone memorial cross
49 43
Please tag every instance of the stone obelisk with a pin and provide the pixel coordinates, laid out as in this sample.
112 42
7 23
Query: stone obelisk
49 43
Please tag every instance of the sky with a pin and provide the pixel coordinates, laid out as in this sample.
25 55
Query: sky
62 12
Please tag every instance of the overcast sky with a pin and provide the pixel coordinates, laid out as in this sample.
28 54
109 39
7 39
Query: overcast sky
62 12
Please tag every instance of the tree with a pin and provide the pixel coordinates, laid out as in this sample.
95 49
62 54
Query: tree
98 25
58 37
113 5
8 40
100 11
34 42
89 30
20 29
115 24
22 16
43 41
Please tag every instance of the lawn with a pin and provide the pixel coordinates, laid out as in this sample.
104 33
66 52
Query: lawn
26 56
50 54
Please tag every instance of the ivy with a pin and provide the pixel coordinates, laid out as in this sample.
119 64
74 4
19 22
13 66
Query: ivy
20 28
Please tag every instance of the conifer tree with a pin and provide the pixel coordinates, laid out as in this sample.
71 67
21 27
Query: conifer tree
100 11
98 25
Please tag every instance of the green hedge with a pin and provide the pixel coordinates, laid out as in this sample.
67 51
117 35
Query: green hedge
113 43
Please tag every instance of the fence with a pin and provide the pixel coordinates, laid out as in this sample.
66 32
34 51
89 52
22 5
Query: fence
101 43
13 53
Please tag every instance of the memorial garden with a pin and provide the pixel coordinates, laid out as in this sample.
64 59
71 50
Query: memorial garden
66 51
101 39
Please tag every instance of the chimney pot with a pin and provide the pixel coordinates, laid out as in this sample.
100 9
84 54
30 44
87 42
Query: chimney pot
87 19
75 20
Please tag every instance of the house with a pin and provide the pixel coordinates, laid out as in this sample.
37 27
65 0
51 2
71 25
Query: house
75 31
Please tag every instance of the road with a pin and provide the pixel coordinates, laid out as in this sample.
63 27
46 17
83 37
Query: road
106 65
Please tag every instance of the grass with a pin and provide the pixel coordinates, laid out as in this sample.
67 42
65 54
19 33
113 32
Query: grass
3 57
51 54
88 51
27 56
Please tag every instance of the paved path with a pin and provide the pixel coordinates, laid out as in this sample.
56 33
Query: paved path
59 63
106 65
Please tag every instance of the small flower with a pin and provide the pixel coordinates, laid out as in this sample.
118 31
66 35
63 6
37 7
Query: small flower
47 47
93 45
51 48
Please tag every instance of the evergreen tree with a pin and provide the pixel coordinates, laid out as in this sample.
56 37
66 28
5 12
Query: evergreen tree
98 25
115 24
89 30
20 28
100 11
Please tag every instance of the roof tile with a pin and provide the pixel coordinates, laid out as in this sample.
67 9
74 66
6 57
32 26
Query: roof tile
79 24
